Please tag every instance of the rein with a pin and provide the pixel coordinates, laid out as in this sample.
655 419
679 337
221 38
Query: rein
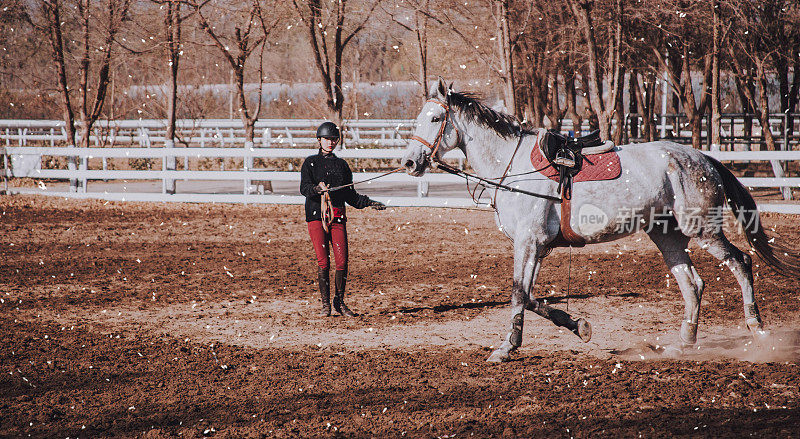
447 168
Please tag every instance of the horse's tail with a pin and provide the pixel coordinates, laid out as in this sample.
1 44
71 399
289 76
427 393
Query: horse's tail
784 260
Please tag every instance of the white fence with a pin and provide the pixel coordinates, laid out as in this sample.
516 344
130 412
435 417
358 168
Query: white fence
207 132
368 140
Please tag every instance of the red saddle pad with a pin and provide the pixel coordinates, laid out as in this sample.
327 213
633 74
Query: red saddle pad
606 166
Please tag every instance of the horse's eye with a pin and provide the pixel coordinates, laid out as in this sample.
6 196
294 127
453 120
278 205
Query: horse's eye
436 119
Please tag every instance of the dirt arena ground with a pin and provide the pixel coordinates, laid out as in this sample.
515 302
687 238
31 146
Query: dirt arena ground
166 320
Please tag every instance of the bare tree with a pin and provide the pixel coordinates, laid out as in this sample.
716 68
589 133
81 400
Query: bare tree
716 42
680 47
603 76
97 28
544 56
418 25
643 93
752 48
508 20
788 59
249 34
173 46
330 29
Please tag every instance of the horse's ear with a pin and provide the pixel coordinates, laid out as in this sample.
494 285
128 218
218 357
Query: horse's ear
442 87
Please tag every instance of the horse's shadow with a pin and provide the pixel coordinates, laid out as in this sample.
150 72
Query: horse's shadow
449 307
495 303
564 298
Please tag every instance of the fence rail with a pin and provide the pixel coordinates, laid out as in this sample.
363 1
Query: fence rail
372 139
366 132
207 132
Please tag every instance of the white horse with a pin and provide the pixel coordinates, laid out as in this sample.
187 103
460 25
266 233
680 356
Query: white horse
671 191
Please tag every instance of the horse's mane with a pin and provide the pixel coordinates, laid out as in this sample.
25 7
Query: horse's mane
470 105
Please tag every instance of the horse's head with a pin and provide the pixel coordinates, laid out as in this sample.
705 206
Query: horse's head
435 134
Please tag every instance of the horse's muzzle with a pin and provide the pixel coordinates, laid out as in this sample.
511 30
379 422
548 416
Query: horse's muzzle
415 168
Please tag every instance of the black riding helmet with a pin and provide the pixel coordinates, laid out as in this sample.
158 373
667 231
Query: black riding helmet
328 130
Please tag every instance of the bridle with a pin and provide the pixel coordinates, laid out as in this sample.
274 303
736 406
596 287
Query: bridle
437 141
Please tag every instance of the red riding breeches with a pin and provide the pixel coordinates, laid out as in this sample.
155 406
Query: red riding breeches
337 236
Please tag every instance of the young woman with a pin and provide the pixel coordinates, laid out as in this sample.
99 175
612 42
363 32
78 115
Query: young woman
325 213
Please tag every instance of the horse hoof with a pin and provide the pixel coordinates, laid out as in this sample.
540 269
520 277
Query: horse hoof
498 357
688 334
760 334
584 330
754 325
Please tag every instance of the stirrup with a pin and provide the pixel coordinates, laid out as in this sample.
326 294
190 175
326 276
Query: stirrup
565 157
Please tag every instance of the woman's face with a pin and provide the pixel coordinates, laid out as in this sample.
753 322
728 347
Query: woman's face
327 145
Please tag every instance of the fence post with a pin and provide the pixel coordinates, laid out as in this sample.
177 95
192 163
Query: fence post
5 170
247 164
112 139
84 166
422 189
785 146
266 138
168 164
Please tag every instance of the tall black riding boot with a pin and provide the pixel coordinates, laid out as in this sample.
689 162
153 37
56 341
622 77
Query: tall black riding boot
340 280
324 291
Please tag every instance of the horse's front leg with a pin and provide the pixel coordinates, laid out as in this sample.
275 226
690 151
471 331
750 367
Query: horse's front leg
525 267
579 327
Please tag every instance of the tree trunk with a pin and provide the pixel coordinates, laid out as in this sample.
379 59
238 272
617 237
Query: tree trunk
53 13
747 108
602 108
571 103
634 104
788 88
695 112
696 125
422 46
554 112
619 112
172 24
716 110
505 51
763 107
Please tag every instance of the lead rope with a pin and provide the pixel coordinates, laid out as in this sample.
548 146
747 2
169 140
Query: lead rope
569 275
336 188
327 206
327 212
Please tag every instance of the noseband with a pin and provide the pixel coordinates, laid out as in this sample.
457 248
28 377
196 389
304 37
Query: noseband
437 141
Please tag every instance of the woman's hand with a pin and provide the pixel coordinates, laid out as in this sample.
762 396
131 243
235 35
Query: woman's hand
377 205
321 187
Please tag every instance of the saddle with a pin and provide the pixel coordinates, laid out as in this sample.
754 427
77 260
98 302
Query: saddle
566 156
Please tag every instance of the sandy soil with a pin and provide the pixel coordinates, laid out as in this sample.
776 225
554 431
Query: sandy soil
165 320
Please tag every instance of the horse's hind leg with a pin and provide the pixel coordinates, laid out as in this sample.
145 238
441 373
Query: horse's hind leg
741 266
673 245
